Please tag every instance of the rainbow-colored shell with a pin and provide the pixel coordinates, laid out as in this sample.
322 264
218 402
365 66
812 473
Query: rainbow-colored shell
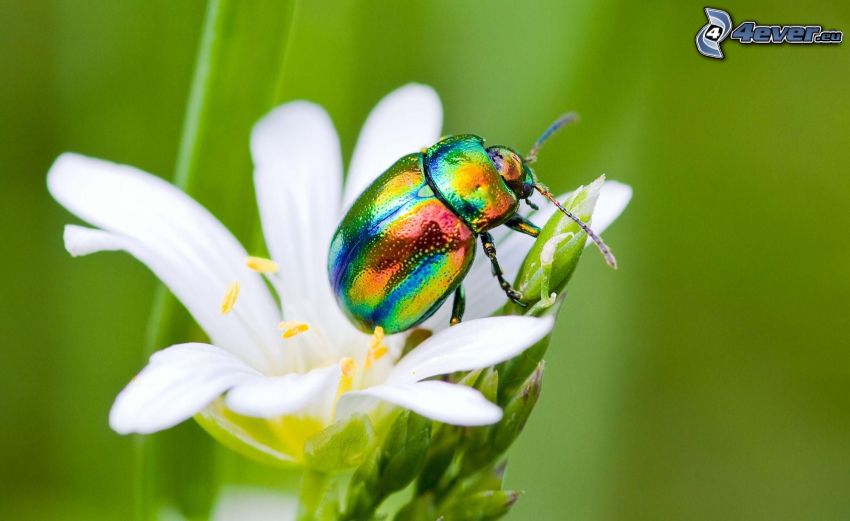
409 239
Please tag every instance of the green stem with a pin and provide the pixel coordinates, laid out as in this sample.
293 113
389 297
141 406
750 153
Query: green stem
165 316
312 491
237 78
199 94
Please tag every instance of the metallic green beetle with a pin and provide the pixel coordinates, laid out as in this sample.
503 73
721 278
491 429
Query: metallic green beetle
408 240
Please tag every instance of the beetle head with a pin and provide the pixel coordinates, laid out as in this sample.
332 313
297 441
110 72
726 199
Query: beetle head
532 185
520 178
514 170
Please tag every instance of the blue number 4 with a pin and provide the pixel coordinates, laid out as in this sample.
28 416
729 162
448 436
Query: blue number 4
744 32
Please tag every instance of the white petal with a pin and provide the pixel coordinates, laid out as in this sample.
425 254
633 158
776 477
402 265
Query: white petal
298 177
484 296
273 396
613 199
80 241
185 246
441 401
403 122
177 383
472 344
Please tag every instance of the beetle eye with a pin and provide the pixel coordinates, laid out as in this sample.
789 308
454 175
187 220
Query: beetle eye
509 165
496 158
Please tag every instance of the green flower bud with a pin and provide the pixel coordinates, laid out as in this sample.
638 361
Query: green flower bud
488 384
514 373
488 479
469 379
341 446
478 438
390 467
362 502
481 506
404 451
441 452
553 258
328 509
485 444
517 411
544 274
420 508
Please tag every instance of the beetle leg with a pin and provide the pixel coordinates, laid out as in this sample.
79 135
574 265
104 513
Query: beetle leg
523 225
458 306
490 250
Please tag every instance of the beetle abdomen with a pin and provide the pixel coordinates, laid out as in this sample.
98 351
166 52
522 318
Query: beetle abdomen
399 251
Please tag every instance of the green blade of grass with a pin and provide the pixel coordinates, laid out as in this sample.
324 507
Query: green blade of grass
238 77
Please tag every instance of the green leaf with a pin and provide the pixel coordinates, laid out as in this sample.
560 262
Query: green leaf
343 445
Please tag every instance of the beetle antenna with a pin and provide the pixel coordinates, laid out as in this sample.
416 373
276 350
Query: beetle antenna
606 251
567 118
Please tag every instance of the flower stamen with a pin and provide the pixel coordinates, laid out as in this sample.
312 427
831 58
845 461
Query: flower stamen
377 348
229 299
290 329
348 367
261 265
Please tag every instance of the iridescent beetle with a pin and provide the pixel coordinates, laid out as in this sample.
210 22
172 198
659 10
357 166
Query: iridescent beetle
408 240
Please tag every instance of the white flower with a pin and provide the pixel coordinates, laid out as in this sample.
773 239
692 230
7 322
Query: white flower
257 390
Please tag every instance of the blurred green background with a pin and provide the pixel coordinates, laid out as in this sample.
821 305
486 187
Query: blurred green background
708 378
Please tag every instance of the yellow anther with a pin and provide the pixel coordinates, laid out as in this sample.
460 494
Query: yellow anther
377 348
229 298
290 329
375 354
377 337
261 265
348 368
